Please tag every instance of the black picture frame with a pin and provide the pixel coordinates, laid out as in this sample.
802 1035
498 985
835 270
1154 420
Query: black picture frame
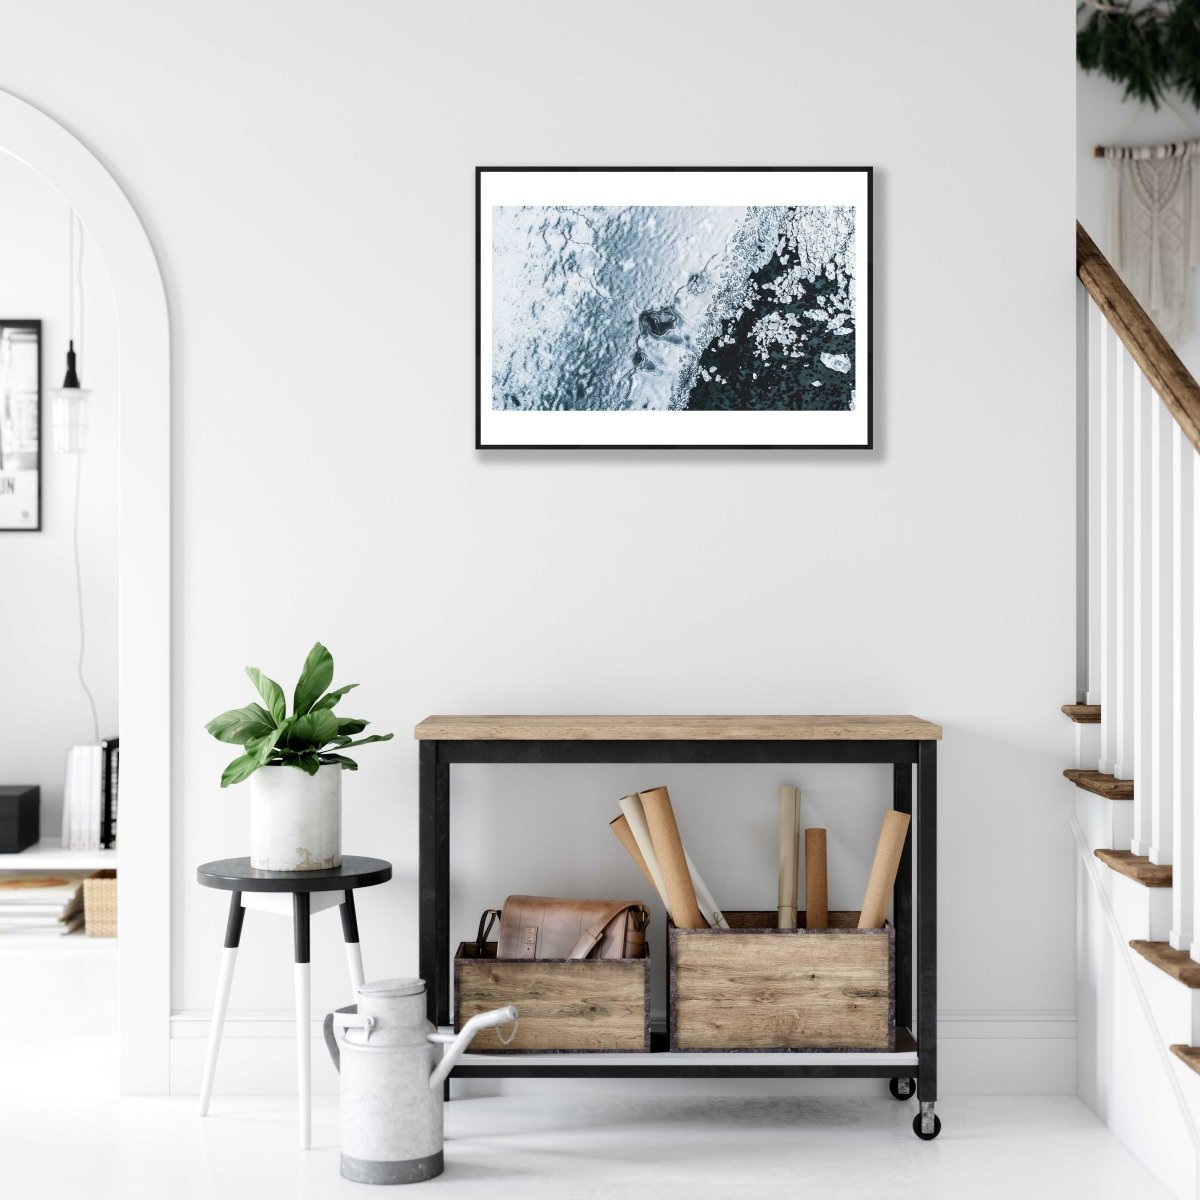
863 304
19 458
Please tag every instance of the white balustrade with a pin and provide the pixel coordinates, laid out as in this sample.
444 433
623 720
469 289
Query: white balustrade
1145 405
1110 351
1123 700
1183 729
1192 675
1160 782
1139 588
1095 343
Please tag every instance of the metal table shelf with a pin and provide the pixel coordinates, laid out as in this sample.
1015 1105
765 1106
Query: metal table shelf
907 744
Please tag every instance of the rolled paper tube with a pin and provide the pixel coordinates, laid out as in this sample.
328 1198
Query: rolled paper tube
672 862
704 898
883 870
789 853
635 818
816 880
620 826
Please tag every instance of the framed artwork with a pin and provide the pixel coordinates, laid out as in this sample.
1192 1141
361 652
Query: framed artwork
20 425
673 307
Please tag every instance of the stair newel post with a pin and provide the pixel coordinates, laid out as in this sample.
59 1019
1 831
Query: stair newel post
1183 724
1159 761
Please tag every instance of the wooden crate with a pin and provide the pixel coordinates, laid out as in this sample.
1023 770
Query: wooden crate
756 987
593 1005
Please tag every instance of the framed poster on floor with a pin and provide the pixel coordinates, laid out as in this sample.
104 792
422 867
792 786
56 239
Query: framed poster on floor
673 307
20 425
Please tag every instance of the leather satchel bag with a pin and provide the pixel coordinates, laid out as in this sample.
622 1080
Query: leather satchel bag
543 927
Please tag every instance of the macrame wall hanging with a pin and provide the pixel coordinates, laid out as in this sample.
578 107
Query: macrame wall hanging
1154 225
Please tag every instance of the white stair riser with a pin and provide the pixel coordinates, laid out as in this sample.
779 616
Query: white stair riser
1087 746
1107 824
1144 914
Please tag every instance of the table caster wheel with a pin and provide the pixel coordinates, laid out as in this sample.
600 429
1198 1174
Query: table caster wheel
902 1089
927 1137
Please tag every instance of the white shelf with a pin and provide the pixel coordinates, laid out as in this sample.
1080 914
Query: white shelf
48 855
729 1058
61 941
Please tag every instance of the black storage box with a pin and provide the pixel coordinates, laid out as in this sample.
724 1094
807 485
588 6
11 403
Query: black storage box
19 816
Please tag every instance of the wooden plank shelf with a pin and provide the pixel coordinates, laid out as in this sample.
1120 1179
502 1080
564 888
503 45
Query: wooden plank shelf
1176 963
1108 786
677 728
1083 714
1136 867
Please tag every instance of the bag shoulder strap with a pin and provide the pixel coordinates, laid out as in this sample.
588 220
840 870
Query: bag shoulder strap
485 927
595 931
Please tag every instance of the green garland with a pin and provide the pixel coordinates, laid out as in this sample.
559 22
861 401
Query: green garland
1150 48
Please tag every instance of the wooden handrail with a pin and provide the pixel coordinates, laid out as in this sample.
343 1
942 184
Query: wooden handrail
1173 382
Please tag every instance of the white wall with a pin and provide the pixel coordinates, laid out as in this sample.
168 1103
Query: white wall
1104 118
43 710
306 171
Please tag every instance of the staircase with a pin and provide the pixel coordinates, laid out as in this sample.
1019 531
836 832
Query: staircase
1135 721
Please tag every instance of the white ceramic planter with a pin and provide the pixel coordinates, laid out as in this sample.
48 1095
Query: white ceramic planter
296 819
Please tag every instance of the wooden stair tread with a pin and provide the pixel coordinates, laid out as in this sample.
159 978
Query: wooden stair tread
1108 786
1136 867
1189 1055
1176 963
1083 714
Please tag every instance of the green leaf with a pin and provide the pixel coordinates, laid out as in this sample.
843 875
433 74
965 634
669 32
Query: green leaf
315 677
271 692
375 737
309 763
263 748
348 764
310 731
331 698
351 725
241 725
241 768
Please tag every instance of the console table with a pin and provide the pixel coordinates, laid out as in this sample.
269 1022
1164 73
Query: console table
901 742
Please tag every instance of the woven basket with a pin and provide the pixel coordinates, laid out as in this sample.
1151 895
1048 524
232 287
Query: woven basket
100 904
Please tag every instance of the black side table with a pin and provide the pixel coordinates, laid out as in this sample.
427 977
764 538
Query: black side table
311 891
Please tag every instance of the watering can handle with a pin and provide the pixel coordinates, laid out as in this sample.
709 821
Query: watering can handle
331 1042
343 1017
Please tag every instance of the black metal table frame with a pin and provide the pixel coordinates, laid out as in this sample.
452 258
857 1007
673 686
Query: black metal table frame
437 757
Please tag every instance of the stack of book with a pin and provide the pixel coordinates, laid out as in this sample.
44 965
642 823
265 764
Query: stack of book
90 793
41 902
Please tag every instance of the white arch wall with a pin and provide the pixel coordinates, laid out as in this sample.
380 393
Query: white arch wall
144 577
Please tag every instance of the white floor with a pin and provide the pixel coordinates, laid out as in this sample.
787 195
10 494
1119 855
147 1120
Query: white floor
64 1136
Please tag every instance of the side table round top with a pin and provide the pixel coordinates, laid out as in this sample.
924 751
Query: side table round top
237 875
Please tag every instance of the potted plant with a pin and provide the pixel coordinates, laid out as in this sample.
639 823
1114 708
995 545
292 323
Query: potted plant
294 764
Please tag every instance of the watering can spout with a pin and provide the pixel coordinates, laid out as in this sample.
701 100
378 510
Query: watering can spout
454 1051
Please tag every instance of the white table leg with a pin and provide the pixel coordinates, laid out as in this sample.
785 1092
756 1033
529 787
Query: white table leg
233 935
354 959
301 910
304 1052
220 1007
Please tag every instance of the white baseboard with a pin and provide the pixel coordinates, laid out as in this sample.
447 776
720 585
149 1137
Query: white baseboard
1018 1052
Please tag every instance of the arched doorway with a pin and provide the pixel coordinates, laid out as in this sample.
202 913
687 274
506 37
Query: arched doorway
144 577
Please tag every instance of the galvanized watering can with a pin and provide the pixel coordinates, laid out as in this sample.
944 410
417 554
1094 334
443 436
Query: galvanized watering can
392 1066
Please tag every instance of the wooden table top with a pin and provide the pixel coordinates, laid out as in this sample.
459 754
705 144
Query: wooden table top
856 728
